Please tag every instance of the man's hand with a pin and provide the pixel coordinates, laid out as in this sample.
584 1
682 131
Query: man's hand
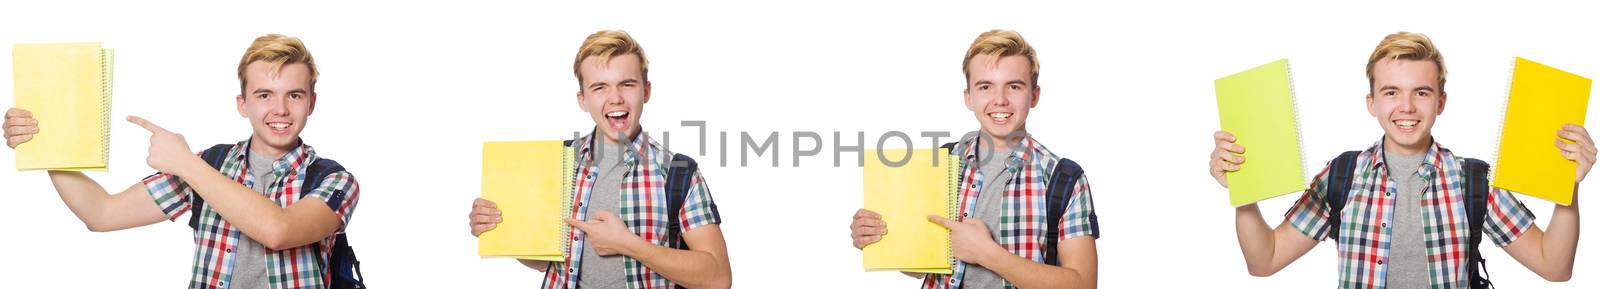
169 152
970 239
485 216
867 227
607 234
1225 157
20 126
1581 149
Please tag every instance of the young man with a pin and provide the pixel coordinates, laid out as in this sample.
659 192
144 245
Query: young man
621 238
1404 222
257 227
1006 176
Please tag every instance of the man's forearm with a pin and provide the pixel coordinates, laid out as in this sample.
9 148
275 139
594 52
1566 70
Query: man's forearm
690 268
242 207
1561 240
1255 240
1030 275
83 196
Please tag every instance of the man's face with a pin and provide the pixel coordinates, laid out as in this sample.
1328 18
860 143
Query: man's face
1406 97
614 93
276 104
1001 93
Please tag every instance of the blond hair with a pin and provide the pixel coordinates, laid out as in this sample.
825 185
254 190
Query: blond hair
1000 43
277 50
606 44
1406 46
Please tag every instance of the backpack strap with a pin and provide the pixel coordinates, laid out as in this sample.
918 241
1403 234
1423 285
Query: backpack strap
1058 195
213 156
1341 176
1477 208
680 176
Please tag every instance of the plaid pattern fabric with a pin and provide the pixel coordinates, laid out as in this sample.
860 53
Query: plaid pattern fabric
643 209
1022 222
215 239
1364 232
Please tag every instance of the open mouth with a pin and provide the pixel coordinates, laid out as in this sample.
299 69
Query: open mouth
1406 124
1000 117
618 120
279 127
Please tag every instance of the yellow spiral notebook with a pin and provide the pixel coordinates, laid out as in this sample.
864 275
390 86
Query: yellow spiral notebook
67 86
531 182
1539 100
905 193
1258 107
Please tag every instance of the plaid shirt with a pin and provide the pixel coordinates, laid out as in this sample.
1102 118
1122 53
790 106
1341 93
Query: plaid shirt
1364 232
1023 212
215 239
643 209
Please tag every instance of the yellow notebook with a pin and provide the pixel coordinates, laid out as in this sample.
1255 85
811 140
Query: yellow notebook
1258 107
67 86
531 182
1540 100
905 194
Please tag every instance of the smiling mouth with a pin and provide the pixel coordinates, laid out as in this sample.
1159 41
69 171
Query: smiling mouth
1000 115
1406 124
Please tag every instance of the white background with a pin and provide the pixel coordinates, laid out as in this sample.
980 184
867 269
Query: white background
409 91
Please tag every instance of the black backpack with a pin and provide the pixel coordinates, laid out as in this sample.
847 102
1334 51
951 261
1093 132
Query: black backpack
1340 181
346 270
1057 196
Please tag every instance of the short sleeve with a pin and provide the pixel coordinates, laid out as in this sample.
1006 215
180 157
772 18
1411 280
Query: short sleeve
1506 217
698 208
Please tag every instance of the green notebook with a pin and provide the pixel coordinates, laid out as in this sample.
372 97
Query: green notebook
1258 107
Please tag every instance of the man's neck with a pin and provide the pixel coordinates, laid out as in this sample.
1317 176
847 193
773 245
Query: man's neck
1394 147
261 148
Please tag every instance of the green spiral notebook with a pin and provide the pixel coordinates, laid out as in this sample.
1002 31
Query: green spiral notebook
1258 107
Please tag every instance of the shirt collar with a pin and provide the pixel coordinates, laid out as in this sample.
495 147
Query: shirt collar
1431 159
289 160
587 146
1020 154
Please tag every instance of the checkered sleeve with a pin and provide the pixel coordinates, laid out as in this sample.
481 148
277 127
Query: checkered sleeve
698 208
169 192
340 191
1507 218
1080 219
1310 213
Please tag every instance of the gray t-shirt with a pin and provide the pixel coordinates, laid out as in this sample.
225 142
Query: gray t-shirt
1408 264
988 207
249 263
605 271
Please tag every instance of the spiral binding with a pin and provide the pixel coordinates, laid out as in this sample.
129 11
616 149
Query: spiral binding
107 71
952 195
568 192
1505 106
1294 109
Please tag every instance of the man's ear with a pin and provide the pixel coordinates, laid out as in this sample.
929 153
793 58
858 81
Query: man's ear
966 97
1442 98
313 107
1370 108
239 99
580 101
646 92
1034 100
